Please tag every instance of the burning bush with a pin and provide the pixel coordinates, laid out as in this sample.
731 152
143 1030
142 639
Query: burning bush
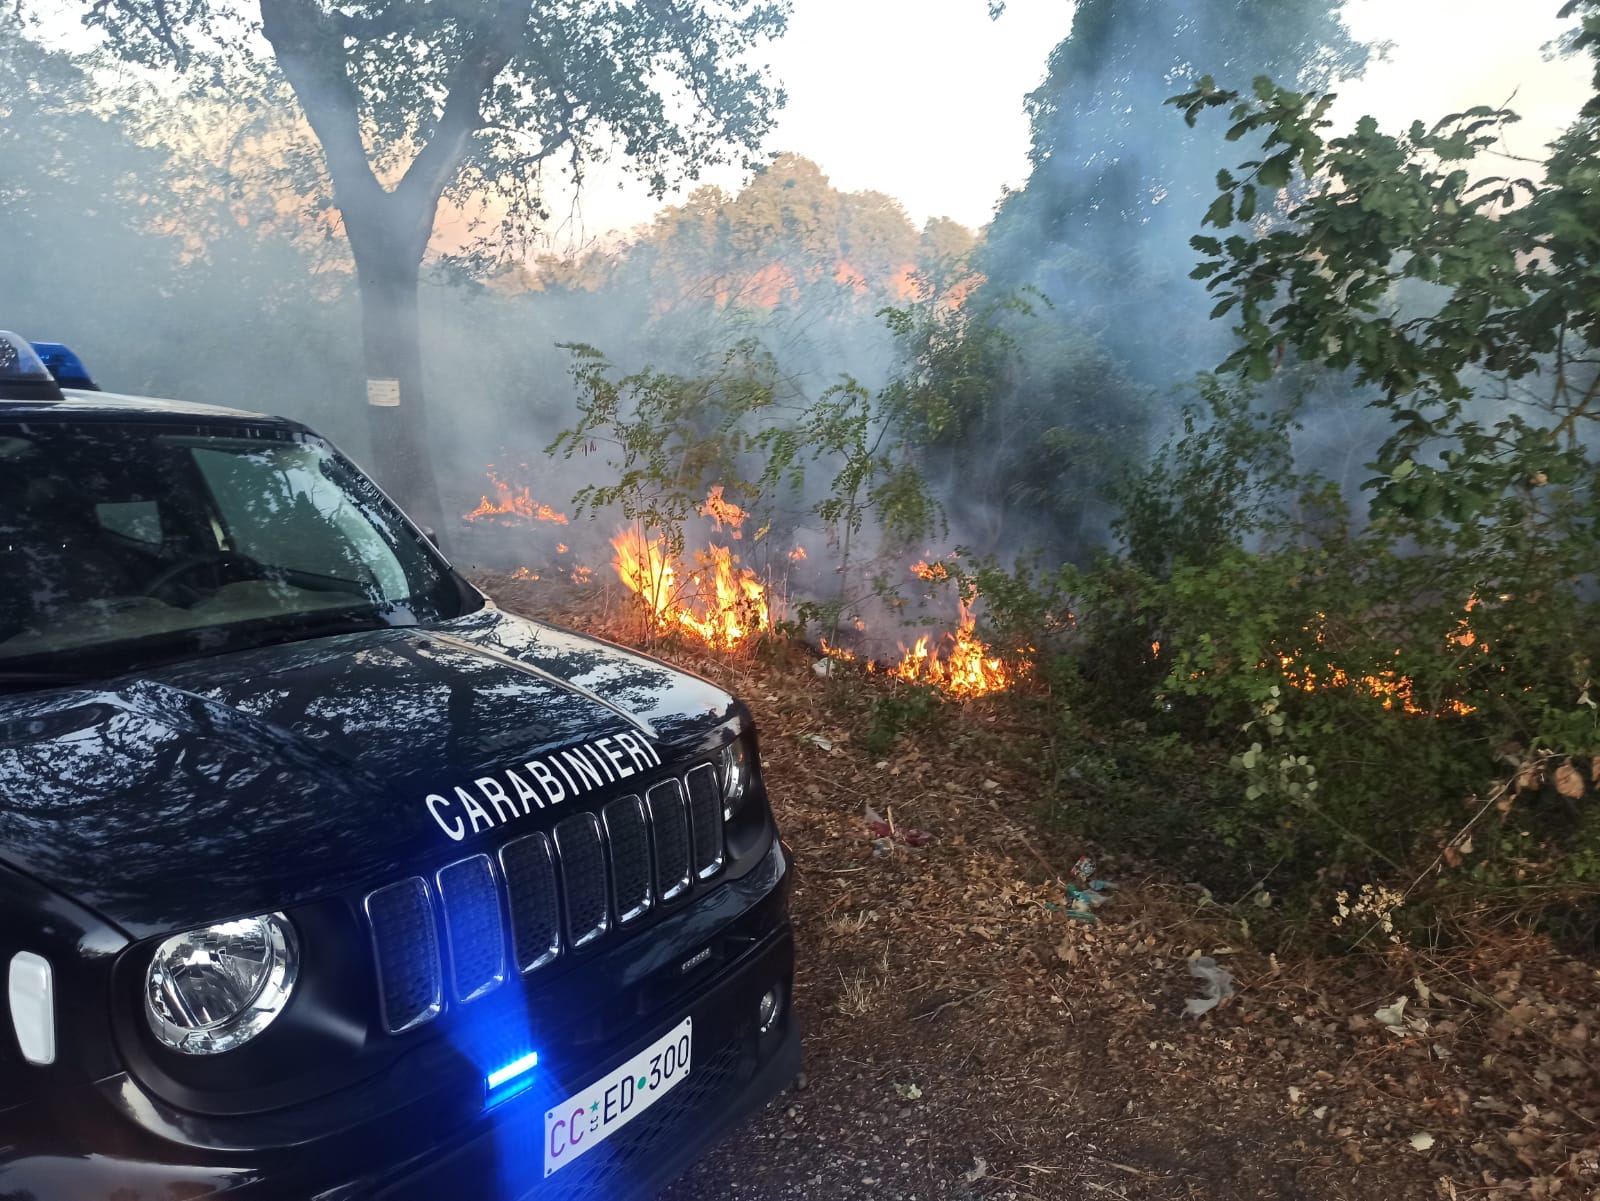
716 600
957 663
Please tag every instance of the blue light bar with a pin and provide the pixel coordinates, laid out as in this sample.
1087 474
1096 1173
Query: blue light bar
22 375
511 1071
66 366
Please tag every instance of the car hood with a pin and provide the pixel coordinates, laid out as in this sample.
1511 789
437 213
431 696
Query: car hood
262 779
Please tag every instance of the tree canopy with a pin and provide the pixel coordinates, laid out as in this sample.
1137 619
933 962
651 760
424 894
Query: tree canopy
1106 164
1465 297
412 100
1085 264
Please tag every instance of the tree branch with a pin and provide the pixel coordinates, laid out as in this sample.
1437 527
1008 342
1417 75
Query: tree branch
153 19
398 16
677 27
309 48
1569 423
485 56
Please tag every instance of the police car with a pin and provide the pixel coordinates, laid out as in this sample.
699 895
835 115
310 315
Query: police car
321 877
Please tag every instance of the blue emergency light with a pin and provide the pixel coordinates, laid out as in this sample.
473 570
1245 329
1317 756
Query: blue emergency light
66 366
23 375
506 1082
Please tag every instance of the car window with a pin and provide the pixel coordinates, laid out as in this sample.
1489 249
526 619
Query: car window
279 507
127 543
136 520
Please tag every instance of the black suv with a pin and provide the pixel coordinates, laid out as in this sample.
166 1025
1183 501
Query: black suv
323 878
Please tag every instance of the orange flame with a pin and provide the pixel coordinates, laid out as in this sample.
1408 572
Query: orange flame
721 602
961 664
1463 634
723 512
797 555
1389 687
513 502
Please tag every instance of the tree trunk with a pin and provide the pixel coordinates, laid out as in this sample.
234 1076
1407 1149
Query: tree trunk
402 456
389 228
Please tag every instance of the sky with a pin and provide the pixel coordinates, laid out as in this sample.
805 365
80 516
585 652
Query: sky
923 99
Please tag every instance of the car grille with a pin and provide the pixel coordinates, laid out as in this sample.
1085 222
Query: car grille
457 936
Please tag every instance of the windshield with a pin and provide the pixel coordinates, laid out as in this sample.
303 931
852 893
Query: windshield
123 544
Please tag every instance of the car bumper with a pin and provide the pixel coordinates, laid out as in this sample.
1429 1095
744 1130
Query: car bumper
497 1156
735 1070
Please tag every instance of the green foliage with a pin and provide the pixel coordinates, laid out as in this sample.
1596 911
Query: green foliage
1099 230
480 94
1363 679
1026 420
905 708
1510 309
1125 784
414 103
944 394
1225 480
672 436
846 429
838 458
1247 714
1109 73
1307 701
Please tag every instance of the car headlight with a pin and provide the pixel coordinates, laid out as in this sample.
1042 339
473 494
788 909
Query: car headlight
214 989
735 775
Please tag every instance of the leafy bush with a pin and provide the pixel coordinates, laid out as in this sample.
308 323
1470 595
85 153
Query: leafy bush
1403 698
1306 706
904 708
745 426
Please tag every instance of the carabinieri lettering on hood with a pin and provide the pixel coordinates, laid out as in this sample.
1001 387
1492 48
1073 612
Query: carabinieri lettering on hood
540 782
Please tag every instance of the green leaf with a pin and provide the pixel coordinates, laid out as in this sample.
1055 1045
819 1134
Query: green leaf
1220 213
1274 173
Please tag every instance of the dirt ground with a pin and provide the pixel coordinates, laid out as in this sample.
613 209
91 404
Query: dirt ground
967 1037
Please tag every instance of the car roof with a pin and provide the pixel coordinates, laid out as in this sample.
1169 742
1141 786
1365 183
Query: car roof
96 406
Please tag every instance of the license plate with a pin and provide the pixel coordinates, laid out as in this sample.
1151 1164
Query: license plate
593 1114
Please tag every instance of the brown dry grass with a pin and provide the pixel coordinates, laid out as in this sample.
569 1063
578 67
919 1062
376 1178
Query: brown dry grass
966 1038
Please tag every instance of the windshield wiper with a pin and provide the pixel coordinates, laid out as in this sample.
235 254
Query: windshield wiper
37 679
300 627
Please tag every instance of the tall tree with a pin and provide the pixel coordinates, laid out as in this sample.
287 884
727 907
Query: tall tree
1097 242
75 192
417 100
1112 185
